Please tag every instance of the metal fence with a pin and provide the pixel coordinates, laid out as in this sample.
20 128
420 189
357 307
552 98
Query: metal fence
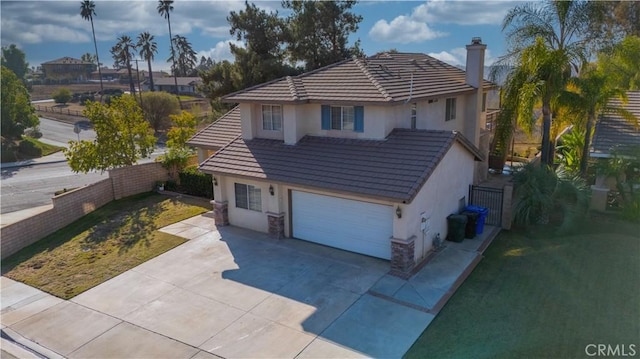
490 198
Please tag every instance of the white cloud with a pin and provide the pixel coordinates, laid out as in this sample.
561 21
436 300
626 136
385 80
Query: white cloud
403 29
463 12
221 51
458 56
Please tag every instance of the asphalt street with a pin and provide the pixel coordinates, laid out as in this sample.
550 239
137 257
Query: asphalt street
34 185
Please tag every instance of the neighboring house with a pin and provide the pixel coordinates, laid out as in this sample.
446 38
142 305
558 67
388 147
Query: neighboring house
614 132
68 69
367 155
107 74
186 85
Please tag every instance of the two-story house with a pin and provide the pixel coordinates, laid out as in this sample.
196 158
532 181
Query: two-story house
367 155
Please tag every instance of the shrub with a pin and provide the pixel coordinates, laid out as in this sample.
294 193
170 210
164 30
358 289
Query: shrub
543 195
62 96
28 148
196 183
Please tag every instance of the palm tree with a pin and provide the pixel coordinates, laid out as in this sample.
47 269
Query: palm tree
147 47
122 54
551 31
185 56
588 97
165 7
87 11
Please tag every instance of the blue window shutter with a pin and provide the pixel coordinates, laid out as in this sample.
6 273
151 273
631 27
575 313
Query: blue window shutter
358 114
326 117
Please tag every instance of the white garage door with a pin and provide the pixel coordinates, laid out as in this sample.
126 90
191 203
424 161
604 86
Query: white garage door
355 226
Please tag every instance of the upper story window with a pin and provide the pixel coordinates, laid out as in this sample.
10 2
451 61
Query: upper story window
272 117
343 118
450 112
414 115
248 197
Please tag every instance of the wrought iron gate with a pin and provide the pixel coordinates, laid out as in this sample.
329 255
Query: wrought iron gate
488 197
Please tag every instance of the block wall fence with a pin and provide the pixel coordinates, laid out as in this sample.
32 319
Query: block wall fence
71 206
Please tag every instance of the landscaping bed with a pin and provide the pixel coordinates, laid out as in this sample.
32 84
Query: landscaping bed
102 244
541 295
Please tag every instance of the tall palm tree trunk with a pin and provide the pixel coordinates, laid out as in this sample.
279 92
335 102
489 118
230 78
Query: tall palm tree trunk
173 59
132 87
584 160
546 132
150 75
95 45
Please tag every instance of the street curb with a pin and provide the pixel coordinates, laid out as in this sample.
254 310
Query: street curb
27 164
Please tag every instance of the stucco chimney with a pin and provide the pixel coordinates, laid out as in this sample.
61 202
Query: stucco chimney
475 62
474 78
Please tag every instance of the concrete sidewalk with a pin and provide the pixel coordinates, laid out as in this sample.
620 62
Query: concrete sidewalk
57 157
234 293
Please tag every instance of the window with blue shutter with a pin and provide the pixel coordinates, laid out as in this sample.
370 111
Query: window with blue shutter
326 117
343 118
359 119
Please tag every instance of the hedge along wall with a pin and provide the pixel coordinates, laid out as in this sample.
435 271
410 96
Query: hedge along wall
71 206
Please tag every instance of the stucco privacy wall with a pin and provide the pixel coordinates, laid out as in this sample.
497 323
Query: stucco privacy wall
128 181
71 206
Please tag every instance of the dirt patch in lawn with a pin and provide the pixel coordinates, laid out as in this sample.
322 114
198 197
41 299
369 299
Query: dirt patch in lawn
102 244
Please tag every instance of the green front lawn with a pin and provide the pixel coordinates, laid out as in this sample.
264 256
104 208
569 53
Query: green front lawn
540 295
102 244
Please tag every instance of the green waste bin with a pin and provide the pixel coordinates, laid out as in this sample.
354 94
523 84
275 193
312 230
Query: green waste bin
470 230
456 224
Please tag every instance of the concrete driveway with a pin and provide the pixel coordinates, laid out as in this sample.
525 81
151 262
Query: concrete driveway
227 292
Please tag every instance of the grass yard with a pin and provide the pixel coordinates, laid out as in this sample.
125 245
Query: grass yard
46 148
102 244
540 295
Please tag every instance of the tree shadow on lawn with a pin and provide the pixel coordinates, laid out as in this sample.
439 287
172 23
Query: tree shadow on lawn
125 229
102 224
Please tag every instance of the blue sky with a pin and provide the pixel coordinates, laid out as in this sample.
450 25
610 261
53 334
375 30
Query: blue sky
47 30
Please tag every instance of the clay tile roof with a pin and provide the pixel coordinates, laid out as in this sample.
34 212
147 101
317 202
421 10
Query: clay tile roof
66 61
383 78
219 133
394 168
613 131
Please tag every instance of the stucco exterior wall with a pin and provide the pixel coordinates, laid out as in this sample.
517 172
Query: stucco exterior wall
246 218
438 198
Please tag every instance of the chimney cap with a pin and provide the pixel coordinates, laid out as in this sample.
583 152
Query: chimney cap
476 40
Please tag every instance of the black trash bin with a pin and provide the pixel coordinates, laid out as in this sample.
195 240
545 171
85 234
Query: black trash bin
456 224
470 229
483 212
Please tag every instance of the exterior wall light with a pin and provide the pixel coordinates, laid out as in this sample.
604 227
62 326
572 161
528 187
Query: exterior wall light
215 181
398 212
271 189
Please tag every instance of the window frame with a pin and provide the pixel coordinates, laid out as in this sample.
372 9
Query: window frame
450 109
252 197
342 118
269 124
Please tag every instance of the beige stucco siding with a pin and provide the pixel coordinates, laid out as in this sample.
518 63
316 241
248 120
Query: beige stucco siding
438 198
255 220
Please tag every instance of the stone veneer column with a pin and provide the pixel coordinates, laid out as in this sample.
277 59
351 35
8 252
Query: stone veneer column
402 256
276 225
221 213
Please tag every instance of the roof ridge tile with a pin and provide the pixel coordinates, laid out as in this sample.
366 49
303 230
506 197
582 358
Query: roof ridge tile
292 88
374 81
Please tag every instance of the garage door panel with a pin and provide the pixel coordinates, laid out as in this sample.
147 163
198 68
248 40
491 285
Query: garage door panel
355 226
